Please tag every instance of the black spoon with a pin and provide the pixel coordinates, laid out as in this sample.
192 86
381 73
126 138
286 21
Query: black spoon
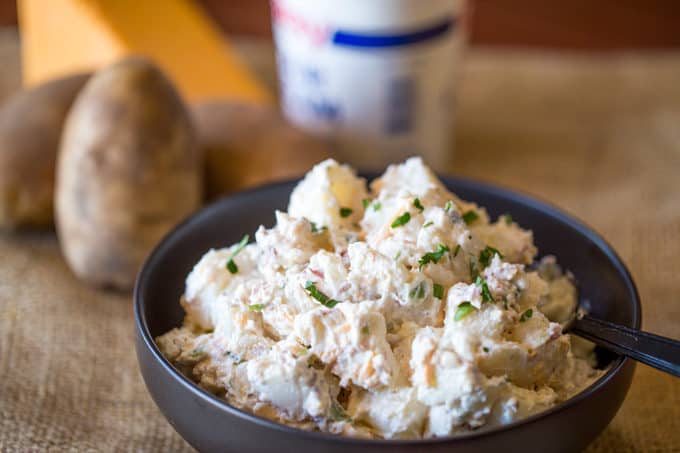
653 350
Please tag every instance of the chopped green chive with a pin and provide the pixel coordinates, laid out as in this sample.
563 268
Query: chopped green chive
486 255
337 413
433 257
526 315
401 220
473 268
464 309
485 349
438 291
418 291
365 202
256 307
448 206
418 205
345 212
376 206
316 229
486 294
396 257
456 251
315 362
231 265
196 353
237 359
508 219
469 217
319 296
427 224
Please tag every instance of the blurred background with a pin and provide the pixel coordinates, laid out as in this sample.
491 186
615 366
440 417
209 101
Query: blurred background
577 24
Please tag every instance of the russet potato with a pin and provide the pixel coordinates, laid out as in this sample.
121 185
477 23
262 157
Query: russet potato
247 144
31 122
129 169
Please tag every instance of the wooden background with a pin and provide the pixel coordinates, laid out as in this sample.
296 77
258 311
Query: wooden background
569 24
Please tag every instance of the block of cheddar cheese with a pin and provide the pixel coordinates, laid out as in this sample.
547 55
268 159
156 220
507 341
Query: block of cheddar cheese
62 37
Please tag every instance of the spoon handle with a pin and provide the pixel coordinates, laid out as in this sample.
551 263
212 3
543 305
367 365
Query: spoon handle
659 352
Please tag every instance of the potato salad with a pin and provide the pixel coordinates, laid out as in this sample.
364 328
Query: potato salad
394 311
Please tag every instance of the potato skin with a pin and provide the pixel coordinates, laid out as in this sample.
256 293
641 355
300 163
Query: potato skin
31 122
246 144
128 171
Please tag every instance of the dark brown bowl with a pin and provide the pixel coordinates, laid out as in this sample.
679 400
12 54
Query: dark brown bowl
210 424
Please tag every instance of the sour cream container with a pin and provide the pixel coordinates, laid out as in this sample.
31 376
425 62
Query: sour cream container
376 77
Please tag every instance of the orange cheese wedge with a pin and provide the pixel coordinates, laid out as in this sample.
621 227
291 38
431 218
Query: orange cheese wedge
62 37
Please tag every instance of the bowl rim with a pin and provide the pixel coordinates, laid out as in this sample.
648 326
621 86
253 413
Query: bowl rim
493 189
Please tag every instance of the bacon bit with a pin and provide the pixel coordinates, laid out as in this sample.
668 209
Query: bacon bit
430 377
316 272
439 319
368 370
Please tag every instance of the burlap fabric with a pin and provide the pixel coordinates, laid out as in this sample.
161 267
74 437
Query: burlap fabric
598 136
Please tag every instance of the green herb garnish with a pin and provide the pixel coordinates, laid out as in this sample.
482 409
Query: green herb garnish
365 202
319 296
231 265
485 349
315 362
197 353
508 219
464 309
365 330
433 257
469 217
427 224
448 206
473 268
256 307
345 212
316 229
456 251
237 359
337 413
418 205
486 255
526 315
418 291
376 206
401 220
486 294
396 257
438 291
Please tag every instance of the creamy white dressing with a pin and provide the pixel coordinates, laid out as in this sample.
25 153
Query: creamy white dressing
394 312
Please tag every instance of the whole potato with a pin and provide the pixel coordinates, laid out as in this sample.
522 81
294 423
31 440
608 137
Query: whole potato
245 145
31 122
127 172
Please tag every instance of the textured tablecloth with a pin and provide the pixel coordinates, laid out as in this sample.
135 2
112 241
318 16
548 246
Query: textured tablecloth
597 135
